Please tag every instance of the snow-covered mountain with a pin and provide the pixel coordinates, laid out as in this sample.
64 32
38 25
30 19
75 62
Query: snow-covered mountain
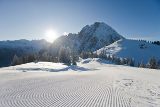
90 38
96 37
99 36
93 37
138 50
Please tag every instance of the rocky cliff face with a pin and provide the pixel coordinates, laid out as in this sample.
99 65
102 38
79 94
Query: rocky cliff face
90 38
96 36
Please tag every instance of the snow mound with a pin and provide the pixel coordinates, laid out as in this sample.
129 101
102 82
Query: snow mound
45 67
138 50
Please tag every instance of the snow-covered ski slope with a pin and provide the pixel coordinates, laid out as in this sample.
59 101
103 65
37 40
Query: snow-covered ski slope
140 51
92 84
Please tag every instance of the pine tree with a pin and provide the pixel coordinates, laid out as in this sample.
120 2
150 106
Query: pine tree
15 60
95 55
118 61
31 58
113 57
83 55
74 57
64 56
102 55
109 57
130 62
158 64
152 63
74 60
142 65
123 61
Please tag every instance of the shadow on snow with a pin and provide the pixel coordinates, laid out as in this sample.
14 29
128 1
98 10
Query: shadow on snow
72 67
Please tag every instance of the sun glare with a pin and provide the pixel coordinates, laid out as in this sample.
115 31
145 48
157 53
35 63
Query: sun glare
51 35
65 33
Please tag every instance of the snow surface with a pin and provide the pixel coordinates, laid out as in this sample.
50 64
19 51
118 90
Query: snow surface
138 50
101 85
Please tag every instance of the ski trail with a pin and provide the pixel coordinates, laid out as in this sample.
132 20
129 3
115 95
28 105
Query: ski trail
64 91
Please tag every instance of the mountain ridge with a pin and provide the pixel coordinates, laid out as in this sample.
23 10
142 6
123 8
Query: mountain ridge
90 38
20 48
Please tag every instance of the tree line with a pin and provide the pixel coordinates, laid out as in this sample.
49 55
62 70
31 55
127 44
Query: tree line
65 55
151 42
152 63
69 57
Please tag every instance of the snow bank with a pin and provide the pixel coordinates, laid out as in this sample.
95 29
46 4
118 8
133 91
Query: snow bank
45 67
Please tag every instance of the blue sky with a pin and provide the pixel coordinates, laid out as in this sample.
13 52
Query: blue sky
29 19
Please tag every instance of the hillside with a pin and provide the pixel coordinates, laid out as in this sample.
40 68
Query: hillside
19 47
140 51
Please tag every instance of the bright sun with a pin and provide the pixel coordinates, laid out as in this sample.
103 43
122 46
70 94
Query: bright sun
51 35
